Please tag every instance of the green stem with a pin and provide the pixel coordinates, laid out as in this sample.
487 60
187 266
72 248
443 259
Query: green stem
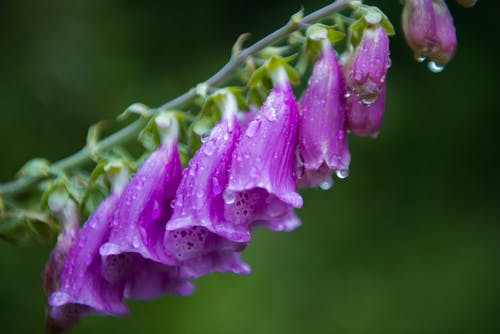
131 131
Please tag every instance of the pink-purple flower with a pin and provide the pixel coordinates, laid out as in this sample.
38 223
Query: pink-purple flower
429 30
261 187
322 138
134 252
366 70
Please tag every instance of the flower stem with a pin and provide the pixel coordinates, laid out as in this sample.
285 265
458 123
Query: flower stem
131 131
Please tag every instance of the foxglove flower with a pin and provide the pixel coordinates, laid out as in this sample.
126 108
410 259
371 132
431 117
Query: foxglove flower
365 119
261 188
429 30
135 253
199 200
322 135
199 235
369 64
83 289
67 215
366 71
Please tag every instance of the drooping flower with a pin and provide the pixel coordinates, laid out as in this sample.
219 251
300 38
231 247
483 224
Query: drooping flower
366 70
135 252
67 215
429 30
322 134
199 235
261 188
365 119
82 288
199 200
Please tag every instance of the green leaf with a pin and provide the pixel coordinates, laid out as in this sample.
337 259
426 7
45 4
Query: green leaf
297 17
93 138
135 109
36 167
389 28
356 31
22 227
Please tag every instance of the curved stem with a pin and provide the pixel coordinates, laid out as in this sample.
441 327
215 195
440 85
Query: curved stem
131 131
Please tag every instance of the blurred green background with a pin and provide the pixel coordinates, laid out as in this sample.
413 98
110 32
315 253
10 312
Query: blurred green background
409 243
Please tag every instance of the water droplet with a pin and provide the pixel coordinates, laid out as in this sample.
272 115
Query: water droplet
369 93
434 67
217 189
272 113
204 136
389 62
209 148
136 242
172 204
229 196
342 173
156 211
59 298
109 249
347 95
369 99
421 59
327 184
252 129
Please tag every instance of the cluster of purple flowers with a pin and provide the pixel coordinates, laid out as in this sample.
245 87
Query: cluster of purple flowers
168 226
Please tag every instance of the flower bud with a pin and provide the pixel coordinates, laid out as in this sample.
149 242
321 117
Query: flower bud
429 30
369 65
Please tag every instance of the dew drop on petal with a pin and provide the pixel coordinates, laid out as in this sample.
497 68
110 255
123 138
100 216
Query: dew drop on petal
252 129
272 114
136 242
109 249
229 196
204 136
59 298
369 99
434 67
156 211
209 148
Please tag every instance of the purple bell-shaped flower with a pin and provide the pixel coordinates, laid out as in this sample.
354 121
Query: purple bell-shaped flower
429 30
366 70
322 137
198 235
261 188
82 288
135 251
